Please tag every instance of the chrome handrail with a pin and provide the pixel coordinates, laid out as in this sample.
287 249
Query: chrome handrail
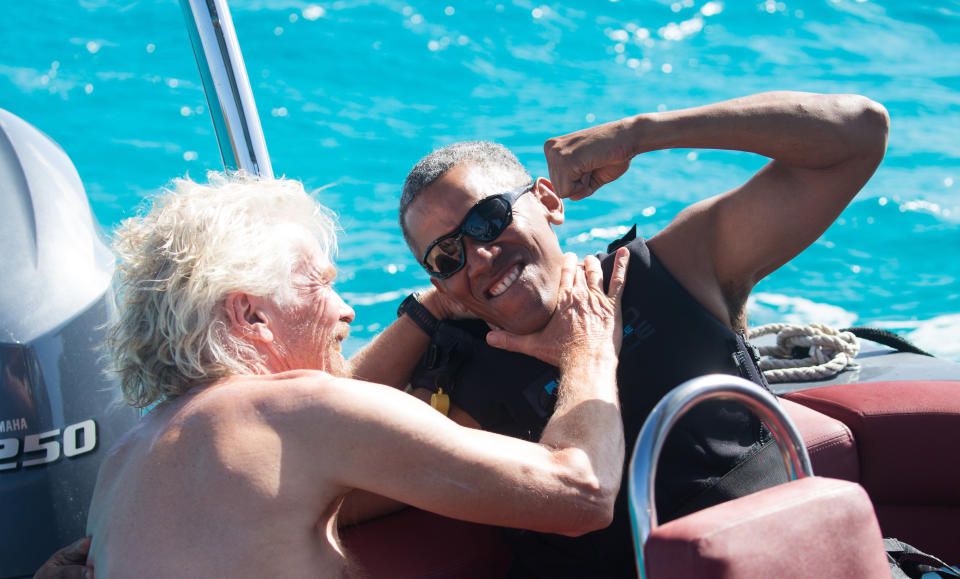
646 453
225 82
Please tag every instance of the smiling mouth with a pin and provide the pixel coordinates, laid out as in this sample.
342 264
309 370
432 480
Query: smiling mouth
506 281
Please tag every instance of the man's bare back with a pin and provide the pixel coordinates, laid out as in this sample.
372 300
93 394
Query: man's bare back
207 477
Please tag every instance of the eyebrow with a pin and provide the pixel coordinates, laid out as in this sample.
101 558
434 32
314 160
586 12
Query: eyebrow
329 274
323 276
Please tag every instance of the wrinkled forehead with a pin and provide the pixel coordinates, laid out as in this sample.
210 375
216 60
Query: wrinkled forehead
318 264
309 258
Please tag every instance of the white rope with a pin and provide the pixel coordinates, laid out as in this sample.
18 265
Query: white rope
829 351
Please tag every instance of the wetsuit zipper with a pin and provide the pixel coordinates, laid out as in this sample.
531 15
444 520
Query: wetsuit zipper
747 358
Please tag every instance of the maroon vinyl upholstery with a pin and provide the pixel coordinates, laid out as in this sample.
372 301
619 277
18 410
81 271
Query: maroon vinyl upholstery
906 436
895 438
417 544
829 442
813 527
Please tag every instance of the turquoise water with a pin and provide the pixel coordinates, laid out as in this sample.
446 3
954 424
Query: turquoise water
352 93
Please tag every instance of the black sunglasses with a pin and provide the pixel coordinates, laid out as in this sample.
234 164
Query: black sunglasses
485 221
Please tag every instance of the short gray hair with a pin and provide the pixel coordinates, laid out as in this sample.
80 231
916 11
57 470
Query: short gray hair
505 168
177 264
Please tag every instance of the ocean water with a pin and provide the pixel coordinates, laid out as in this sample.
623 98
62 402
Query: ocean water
351 93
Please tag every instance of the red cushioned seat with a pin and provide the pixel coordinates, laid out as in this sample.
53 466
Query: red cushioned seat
812 527
417 544
829 442
906 435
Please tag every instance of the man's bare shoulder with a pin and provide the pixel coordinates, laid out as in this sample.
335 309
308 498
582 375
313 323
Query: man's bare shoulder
300 406
228 397
292 391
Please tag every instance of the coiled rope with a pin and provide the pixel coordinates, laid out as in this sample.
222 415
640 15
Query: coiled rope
804 353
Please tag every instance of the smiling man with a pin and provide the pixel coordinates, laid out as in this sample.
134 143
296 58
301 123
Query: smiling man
497 257
515 282
229 323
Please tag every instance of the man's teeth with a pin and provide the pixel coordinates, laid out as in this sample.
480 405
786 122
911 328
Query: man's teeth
506 282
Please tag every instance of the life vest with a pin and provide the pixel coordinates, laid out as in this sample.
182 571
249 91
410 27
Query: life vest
668 338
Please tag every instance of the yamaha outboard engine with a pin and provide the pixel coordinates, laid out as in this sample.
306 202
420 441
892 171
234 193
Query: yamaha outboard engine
59 412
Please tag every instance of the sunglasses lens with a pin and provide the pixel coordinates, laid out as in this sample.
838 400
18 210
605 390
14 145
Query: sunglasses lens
445 257
488 219
484 222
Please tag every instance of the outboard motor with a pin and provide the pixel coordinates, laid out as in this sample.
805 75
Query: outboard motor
59 412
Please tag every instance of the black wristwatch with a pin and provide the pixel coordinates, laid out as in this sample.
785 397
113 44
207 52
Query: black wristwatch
418 313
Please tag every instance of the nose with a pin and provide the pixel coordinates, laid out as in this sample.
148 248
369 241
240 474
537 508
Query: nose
479 254
347 314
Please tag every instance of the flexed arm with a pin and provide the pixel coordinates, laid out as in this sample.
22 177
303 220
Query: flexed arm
823 148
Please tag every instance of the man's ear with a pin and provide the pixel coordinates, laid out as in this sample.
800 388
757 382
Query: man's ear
548 197
246 317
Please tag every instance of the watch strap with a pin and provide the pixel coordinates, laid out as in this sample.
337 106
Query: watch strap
419 314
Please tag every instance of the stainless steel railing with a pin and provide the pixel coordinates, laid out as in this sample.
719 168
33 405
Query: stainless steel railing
646 453
227 86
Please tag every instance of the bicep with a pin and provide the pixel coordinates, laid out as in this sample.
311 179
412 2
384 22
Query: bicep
721 247
778 213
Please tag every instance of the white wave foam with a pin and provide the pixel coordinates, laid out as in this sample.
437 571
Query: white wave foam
354 299
940 336
769 308
921 206
601 233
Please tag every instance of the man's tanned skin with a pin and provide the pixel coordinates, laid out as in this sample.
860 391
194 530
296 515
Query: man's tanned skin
244 475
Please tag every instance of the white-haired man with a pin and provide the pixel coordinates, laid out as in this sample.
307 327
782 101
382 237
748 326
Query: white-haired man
229 320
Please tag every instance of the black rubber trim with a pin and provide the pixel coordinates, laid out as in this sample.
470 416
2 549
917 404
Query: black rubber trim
885 338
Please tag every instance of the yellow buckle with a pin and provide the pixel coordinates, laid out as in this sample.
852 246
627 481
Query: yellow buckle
440 402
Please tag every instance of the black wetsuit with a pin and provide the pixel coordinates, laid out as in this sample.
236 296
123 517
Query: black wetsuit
668 338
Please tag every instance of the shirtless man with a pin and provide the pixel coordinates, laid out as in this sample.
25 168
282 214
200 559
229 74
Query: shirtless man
684 302
229 321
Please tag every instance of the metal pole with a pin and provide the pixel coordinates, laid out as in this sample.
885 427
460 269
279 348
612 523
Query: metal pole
227 87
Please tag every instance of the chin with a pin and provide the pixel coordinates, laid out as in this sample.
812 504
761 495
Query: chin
534 315
524 309
335 365
533 320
